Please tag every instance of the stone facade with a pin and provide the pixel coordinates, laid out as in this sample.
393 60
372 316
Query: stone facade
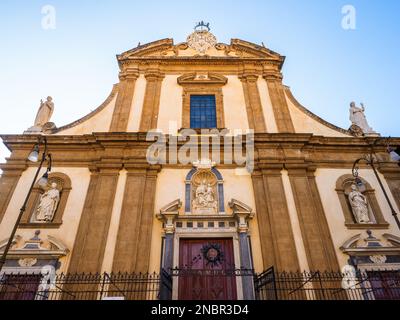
290 212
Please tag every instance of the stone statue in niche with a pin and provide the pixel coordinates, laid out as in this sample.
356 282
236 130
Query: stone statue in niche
48 204
45 112
358 119
359 205
204 201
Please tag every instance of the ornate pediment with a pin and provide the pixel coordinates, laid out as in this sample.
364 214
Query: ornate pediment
373 252
240 207
172 208
356 245
165 49
202 78
36 247
157 48
251 50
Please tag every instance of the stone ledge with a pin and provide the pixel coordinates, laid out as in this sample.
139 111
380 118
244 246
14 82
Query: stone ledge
376 226
40 225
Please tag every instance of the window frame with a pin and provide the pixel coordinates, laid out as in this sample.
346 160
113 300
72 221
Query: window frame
207 122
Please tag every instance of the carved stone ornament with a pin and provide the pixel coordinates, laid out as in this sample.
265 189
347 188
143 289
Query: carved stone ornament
213 254
201 39
378 259
204 193
204 164
27 262
356 131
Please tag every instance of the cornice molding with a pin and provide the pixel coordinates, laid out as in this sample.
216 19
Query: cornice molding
255 53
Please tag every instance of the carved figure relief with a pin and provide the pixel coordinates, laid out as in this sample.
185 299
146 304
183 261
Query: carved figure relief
359 205
204 193
48 204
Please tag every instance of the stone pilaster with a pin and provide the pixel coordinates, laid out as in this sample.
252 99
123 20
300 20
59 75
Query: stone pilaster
8 182
123 104
318 243
90 242
279 103
244 246
168 218
132 251
276 234
392 176
254 110
151 102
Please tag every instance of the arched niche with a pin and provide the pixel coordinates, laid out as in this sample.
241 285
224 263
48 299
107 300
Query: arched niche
343 188
64 186
216 180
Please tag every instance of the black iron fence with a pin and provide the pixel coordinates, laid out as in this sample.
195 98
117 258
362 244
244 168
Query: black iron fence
121 286
365 285
269 285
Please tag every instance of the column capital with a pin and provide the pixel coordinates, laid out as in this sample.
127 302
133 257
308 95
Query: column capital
389 170
169 214
13 168
105 168
300 169
153 74
243 213
270 169
248 76
272 76
142 166
129 74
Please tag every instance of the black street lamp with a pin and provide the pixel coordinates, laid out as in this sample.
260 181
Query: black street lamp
33 157
370 160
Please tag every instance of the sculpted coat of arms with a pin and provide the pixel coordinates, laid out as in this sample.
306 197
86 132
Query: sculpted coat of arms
201 39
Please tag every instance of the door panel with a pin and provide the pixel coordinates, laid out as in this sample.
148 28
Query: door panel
206 261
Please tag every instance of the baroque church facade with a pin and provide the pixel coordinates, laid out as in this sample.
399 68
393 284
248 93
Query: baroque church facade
107 208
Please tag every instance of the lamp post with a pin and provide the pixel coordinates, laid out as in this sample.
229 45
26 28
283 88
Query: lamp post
33 157
370 160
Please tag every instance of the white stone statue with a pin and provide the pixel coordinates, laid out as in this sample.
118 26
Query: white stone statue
48 204
349 280
45 112
357 118
204 201
359 205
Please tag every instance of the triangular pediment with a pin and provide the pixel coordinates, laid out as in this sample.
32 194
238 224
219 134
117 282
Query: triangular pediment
166 48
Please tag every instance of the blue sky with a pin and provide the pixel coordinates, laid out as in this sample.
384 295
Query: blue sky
326 66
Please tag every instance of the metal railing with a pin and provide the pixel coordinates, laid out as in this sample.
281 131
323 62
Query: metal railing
366 285
119 286
269 285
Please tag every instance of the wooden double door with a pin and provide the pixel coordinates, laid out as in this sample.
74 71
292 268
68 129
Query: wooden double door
206 269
